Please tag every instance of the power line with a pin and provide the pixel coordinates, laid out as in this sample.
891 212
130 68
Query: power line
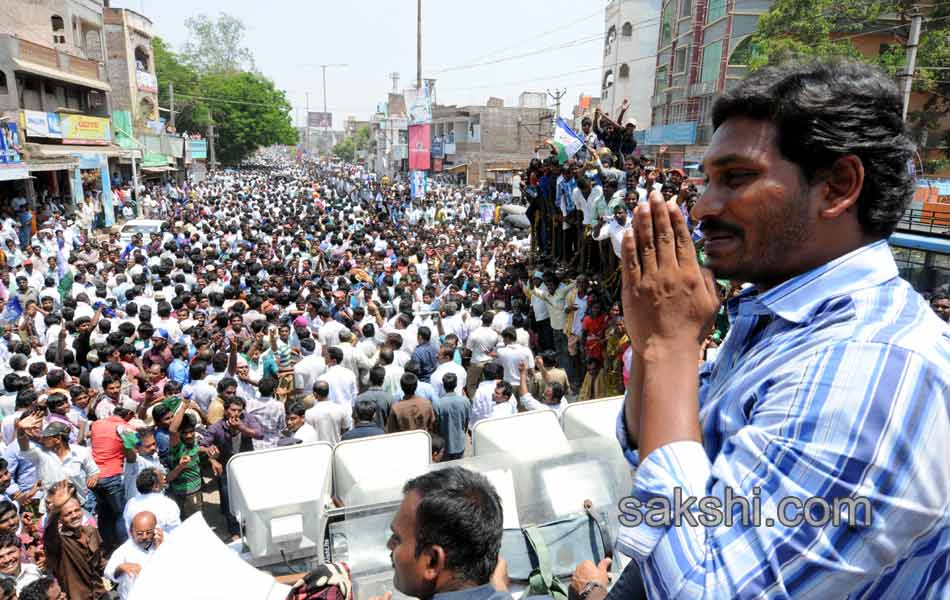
568 44
571 43
550 31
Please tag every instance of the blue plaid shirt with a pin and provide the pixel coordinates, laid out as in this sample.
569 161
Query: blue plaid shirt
833 384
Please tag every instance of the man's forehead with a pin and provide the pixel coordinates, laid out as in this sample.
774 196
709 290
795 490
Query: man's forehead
738 140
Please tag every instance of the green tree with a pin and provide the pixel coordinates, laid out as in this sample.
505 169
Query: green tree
216 46
191 114
345 150
801 29
362 138
249 112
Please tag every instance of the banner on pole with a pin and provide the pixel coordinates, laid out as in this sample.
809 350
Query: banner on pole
419 147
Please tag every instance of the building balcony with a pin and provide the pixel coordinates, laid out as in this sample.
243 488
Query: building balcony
53 63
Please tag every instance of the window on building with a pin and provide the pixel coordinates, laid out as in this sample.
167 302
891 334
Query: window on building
667 16
624 71
627 30
59 29
686 8
609 40
141 59
712 54
3 84
716 10
659 85
608 79
679 61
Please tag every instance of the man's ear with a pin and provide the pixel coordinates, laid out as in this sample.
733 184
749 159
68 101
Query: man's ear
842 186
435 562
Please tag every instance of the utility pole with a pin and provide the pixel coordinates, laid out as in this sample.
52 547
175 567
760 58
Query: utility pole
418 44
171 100
912 44
211 155
557 95
307 124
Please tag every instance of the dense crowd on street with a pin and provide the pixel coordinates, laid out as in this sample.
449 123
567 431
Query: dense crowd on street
283 303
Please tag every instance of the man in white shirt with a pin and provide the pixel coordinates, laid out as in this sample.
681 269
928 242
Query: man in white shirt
150 484
128 560
328 418
297 424
341 380
483 397
482 343
615 229
310 367
553 395
512 355
446 365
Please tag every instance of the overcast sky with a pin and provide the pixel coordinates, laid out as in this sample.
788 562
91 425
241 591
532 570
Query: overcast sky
377 37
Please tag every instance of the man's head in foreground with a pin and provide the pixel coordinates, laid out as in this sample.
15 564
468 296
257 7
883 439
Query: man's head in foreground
447 533
807 163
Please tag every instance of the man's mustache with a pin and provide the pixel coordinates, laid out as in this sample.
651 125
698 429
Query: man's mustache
717 227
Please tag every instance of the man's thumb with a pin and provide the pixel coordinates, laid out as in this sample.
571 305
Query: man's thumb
604 565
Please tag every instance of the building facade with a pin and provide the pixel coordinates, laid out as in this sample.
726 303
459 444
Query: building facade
703 48
55 101
630 37
488 143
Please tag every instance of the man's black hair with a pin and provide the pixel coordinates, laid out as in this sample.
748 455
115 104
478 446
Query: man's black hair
461 512
147 480
824 110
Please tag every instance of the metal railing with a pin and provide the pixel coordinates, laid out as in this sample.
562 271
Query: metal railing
915 220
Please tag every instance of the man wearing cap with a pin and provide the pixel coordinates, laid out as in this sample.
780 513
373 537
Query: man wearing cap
159 353
55 458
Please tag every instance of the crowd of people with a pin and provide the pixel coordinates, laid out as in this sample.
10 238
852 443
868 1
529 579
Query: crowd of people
278 304
287 303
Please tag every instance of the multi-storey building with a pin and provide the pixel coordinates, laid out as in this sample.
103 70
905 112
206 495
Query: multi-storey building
55 100
631 28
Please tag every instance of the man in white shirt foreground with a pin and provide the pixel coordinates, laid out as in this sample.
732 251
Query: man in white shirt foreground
128 560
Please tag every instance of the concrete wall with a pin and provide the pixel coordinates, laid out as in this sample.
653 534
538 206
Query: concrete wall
31 20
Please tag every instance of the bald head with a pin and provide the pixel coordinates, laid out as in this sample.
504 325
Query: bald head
143 529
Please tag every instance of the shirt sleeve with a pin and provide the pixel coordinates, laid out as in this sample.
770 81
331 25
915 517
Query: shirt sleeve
820 431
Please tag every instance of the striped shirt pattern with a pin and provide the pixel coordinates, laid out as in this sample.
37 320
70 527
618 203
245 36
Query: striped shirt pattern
833 384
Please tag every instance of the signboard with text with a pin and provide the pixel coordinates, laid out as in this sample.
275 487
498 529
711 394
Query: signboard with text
83 129
320 120
42 124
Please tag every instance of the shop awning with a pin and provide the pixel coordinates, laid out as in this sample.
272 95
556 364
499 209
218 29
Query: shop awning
14 172
165 169
58 150
52 164
45 71
456 168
